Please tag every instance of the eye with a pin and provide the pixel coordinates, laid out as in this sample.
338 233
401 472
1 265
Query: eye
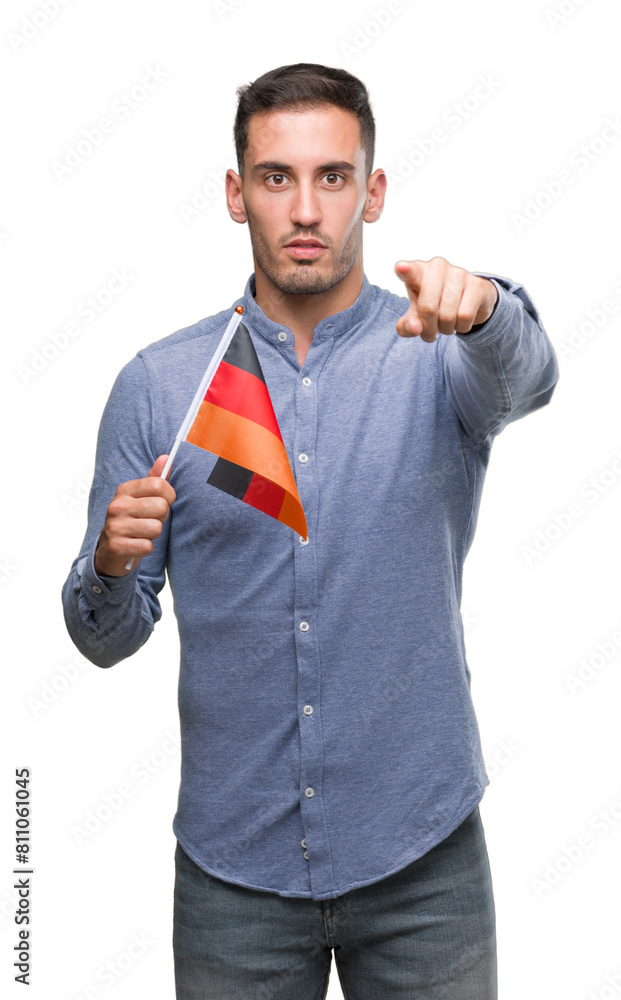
278 180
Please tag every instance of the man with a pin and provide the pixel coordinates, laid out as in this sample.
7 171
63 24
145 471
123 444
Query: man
331 761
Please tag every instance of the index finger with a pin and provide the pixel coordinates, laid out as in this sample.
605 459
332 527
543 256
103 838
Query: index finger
410 272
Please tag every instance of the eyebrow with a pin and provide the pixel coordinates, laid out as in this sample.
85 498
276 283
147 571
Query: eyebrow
342 165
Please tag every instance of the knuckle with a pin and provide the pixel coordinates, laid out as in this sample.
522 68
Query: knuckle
114 545
465 317
446 317
451 293
116 506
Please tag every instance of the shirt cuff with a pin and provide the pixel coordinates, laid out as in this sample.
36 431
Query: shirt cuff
99 589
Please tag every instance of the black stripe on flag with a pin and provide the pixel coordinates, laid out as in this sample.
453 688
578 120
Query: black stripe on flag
230 478
242 354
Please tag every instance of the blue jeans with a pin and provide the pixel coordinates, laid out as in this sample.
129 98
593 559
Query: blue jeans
427 931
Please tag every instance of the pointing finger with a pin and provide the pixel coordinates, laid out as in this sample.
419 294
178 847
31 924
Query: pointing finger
410 272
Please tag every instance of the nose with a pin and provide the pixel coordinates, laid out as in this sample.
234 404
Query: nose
306 209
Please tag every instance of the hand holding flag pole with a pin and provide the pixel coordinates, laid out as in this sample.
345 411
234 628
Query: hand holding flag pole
232 416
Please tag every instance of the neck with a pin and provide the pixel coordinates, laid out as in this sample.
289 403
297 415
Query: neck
302 313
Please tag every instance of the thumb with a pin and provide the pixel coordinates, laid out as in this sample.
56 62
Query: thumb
158 466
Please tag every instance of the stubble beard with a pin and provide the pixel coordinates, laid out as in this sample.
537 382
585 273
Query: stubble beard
305 278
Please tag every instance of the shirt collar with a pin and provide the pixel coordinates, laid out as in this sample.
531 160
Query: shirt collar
340 322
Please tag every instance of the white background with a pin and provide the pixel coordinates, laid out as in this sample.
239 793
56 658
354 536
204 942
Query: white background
532 617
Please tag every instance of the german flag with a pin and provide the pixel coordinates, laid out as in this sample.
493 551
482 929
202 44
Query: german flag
236 421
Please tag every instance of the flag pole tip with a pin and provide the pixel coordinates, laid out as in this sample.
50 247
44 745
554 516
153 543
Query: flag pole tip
239 309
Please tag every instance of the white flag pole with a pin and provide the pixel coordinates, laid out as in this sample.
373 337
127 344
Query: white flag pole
194 407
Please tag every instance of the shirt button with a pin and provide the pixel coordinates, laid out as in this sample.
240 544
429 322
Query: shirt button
304 626
303 842
309 793
282 335
308 709
303 541
96 589
306 854
306 380
303 457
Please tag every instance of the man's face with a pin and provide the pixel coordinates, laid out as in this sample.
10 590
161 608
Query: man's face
305 180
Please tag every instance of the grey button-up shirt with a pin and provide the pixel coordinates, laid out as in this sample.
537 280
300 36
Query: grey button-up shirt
328 732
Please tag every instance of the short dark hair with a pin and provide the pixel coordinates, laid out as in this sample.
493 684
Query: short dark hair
300 86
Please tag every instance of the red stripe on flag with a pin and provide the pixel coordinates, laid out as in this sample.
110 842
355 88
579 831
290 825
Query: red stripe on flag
264 495
240 392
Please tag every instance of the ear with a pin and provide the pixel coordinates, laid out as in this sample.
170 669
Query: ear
234 197
376 189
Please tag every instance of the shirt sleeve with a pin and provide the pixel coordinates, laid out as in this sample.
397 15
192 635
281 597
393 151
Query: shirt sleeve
502 369
109 618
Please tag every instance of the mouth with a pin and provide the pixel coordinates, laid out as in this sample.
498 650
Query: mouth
305 248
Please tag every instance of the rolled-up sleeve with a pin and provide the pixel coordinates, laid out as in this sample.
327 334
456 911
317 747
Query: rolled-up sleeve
110 618
504 369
